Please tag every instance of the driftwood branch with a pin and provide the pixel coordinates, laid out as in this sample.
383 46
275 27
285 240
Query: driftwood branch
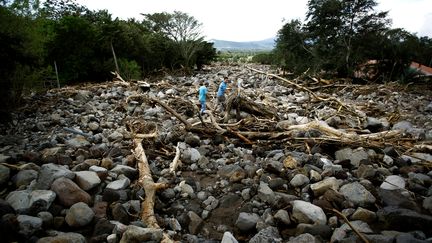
174 164
150 187
300 87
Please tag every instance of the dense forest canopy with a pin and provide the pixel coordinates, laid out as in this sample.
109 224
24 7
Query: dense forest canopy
337 38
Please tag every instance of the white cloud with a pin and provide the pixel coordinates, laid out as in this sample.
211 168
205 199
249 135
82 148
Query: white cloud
247 20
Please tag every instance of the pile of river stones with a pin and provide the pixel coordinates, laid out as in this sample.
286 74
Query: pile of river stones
67 173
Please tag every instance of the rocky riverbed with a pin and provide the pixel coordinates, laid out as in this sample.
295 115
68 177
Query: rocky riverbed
68 173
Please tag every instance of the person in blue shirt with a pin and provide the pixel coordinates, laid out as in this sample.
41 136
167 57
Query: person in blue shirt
202 96
221 93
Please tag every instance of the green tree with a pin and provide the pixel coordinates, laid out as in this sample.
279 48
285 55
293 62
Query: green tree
292 49
182 29
338 30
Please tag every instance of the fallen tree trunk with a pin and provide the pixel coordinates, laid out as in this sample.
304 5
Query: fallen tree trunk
150 187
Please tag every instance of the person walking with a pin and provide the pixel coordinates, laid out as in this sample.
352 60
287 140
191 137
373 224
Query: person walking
221 93
202 96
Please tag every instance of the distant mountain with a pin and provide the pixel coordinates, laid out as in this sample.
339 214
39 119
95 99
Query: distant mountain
262 45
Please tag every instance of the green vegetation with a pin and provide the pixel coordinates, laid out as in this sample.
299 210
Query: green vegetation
87 45
339 37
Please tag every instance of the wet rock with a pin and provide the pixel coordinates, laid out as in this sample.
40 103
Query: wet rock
357 194
69 193
80 214
247 221
138 234
305 212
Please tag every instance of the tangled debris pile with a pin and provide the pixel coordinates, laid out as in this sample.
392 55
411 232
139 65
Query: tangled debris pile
290 161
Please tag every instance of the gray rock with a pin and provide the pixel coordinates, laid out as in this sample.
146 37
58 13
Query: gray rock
43 198
247 221
305 212
403 219
355 156
80 214
403 126
321 187
268 234
359 226
128 171
282 216
49 173
427 204
119 184
228 238
69 237
19 200
4 174
115 136
87 179
138 234
357 194
304 238
28 225
299 180
265 193
393 182
24 177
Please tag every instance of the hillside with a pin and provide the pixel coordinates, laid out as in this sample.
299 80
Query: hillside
262 45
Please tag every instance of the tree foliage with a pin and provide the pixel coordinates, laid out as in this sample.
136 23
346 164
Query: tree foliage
82 43
339 37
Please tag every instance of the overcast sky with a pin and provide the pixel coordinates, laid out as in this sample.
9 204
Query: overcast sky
250 20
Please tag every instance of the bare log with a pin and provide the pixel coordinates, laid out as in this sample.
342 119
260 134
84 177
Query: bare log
174 164
150 187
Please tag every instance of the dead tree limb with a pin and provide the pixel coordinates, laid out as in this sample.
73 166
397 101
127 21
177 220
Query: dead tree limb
298 86
150 187
176 160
